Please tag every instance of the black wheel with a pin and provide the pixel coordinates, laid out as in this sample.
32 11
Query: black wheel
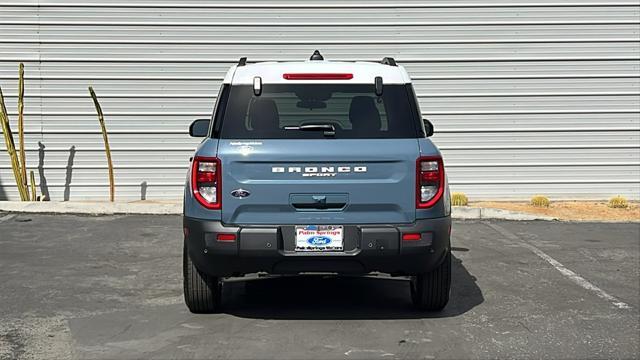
201 292
430 291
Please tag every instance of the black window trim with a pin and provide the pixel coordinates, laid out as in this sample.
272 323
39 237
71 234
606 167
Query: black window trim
415 109
218 111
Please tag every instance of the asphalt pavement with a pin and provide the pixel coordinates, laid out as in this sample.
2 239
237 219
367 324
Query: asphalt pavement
111 287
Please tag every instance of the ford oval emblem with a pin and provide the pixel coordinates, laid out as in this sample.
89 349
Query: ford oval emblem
240 193
319 240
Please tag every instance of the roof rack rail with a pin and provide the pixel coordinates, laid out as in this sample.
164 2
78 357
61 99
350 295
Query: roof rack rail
389 61
242 61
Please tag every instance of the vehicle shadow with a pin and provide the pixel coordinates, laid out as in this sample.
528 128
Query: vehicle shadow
315 297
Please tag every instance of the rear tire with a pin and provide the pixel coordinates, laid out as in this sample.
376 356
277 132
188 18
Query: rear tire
430 291
202 292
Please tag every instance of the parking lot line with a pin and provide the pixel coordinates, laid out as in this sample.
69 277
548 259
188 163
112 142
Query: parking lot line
582 282
7 217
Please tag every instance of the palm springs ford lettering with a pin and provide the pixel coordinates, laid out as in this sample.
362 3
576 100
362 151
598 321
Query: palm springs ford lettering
319 171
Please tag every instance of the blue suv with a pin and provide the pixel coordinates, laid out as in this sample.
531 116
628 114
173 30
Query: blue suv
316 167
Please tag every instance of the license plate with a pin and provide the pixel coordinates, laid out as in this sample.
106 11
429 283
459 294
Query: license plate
319 238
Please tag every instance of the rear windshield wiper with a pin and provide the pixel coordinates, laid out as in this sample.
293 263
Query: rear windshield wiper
329 130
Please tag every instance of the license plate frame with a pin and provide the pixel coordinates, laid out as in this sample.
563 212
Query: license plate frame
319 238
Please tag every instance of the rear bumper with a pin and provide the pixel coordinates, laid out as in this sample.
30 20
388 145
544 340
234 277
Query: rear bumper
270 249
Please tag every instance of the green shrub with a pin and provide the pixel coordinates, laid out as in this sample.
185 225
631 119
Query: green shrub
540 201
618 202
459 199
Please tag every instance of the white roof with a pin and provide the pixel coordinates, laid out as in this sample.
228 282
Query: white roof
272 72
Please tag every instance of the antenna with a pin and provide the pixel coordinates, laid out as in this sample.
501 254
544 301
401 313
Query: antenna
316 56
388 61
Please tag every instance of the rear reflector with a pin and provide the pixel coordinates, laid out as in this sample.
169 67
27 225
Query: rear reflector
317 76
411 237
226 237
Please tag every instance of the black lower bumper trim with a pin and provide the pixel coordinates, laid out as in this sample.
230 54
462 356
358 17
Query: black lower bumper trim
271 249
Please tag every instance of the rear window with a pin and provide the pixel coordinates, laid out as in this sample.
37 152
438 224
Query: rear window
353 110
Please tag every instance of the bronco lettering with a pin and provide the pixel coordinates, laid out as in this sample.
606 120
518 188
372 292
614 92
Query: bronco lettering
318 171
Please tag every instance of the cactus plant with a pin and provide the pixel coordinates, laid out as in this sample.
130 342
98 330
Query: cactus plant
105 137
23 159
618 202
32 177
459 199
540 201
11 149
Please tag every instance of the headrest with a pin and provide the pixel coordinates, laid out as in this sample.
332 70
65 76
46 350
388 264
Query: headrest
364 114
263 115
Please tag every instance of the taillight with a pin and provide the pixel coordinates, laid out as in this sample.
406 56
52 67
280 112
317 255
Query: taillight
206 181
429 181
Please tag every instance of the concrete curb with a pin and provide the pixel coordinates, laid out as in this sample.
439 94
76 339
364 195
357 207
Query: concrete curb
467 212
175 208
93 208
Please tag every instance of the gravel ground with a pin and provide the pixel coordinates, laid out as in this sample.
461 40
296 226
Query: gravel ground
571 210
111 287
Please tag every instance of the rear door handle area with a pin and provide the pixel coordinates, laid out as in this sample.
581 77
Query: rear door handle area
310 202
323 206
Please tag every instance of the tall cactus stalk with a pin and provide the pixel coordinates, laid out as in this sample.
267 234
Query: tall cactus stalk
107 149
23 160
11 149
33 186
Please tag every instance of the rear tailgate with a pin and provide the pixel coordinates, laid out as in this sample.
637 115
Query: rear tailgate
330 181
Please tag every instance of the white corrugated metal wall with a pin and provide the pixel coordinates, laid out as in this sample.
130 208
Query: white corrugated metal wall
526 96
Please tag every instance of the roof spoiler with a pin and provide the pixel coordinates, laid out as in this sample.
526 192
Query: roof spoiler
388 61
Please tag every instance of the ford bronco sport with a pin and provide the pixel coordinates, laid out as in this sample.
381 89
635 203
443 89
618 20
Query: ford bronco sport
316 167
